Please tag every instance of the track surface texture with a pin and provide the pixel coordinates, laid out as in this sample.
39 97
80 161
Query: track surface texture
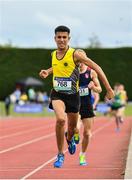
28 150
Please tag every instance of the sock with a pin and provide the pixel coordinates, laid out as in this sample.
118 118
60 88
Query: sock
82 153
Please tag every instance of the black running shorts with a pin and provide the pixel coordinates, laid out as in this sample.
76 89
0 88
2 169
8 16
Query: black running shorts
71 101
86 108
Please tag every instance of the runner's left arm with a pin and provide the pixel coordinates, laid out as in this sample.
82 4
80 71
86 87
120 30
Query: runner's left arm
79 56
95 84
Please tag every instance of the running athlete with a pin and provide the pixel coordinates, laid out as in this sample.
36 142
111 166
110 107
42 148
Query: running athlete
65 92
118 104
124 99
88 83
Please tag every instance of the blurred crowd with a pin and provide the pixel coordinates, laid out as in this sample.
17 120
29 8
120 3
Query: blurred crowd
21 98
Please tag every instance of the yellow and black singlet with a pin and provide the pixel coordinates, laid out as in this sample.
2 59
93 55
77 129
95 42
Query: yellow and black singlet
65 73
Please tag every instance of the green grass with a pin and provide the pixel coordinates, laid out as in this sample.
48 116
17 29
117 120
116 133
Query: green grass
128 112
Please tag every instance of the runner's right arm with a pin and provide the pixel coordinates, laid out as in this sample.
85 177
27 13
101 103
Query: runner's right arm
44 73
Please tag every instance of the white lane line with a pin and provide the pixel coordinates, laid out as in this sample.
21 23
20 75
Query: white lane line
40 167
102 127
27 143
52 159
37 169
24 132
14 127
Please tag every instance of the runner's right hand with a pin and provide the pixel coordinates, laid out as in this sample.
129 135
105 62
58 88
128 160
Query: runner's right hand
43 73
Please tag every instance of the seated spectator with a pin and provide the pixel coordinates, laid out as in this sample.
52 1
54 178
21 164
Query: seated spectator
39 97
32 95
23 98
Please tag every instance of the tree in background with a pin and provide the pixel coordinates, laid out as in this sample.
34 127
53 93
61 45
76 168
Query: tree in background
9 44
94 42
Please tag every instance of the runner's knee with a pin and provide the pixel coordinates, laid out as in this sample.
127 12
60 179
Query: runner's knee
87 134
60 122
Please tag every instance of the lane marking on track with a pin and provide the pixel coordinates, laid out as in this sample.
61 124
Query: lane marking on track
102 127
27 143
52 159
24 132
14 128
20 124
40 167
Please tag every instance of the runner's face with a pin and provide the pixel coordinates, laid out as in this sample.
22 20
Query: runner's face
62 39
82 67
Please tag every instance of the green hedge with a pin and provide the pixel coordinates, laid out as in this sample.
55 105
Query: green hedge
17 63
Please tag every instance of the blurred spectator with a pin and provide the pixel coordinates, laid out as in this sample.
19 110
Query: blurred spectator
45 98
39 97
7 105
31 95
13 98
23 98
17 94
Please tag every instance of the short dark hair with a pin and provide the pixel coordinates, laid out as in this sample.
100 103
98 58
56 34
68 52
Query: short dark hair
62 29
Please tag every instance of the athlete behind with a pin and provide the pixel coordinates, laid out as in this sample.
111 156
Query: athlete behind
88 83
118 105
124 99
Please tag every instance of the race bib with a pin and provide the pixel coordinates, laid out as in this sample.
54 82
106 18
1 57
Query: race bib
83 91
62 84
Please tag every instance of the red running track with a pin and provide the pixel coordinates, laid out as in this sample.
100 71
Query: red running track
28 150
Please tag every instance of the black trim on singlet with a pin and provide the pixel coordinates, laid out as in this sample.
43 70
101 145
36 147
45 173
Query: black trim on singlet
63 55
77 64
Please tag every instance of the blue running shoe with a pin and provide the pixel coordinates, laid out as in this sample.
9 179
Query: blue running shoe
117 129
71 144
60 160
